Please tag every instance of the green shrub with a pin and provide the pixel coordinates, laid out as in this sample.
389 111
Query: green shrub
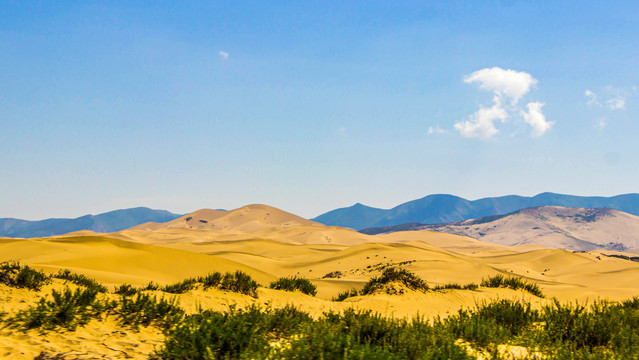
391 275
512 283
180 287
151 286
236 334
239 282
81 280
294 284
345 295
125 289
66 309
211 280
456 287
146 310
15 275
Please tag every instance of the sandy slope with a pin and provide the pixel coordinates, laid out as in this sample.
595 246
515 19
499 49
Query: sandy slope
282 244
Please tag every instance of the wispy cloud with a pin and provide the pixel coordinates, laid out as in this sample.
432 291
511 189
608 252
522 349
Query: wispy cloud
614 98
436 130
507 86
224 54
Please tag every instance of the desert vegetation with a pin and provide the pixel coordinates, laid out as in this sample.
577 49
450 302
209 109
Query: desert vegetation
602 330
294 284
391 277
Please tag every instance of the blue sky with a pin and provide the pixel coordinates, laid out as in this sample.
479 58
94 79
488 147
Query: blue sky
312 106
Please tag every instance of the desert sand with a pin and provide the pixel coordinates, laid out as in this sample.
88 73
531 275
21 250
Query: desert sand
268 243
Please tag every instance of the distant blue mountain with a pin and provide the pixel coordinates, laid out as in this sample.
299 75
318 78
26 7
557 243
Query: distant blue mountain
107 222
440 208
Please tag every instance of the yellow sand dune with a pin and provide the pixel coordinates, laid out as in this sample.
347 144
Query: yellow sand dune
115 261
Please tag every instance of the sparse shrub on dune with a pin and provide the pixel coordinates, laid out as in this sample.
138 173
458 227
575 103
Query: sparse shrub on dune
514 283
345 295
393 275
294 284
146 310
180 287
80 280
66 309
22 276
239 282
211 280
125 289
454 286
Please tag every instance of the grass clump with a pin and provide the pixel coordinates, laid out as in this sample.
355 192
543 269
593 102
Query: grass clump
454 286
125 289
15 275
393 275
345 295
239 282
146 310
66 309
294 284
81 280
514 283
180 287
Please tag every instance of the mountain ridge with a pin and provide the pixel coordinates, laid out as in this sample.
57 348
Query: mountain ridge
577 229
446 208
101 223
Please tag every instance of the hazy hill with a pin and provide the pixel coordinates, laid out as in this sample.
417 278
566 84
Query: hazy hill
107 222
552 226
435 209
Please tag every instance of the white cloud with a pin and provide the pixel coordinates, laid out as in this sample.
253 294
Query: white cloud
436 130
616 103
510 83
592 98
601 123
616 98
506 85
536 119
482 123
224 54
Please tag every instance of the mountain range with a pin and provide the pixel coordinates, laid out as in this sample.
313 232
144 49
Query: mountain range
441 208
577 229
107 222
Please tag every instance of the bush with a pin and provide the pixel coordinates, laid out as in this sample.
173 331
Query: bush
211 280
231 335
125 289
512 283
456 287
391 275
146 310
180 287
80 280
294 284
15 275
345 295
239 282
67 309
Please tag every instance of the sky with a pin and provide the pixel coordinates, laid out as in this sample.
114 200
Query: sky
311 106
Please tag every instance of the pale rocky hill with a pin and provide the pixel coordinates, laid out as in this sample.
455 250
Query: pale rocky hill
551 226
